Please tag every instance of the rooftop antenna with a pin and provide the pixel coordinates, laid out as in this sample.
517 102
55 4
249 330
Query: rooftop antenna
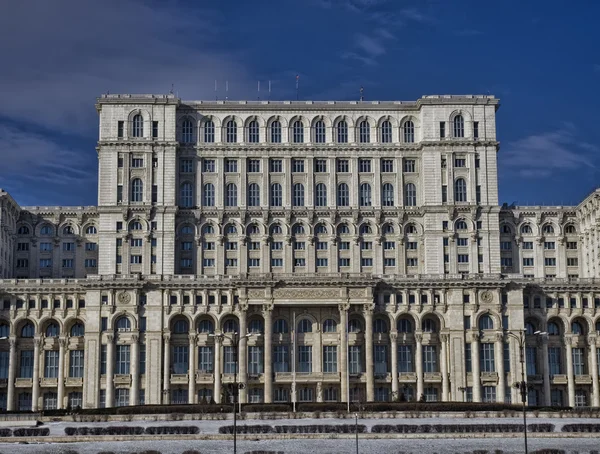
172 87
226 90
269 97
258 91
362 92
297 81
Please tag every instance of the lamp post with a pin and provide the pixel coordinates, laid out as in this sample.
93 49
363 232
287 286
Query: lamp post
235 387
356 430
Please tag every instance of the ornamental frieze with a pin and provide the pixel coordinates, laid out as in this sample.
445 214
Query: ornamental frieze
294 293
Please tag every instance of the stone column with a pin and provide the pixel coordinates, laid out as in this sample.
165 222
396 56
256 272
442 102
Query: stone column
62 342
499 354
419 365
444 367
570 375
369 352
35 392
166 369
546 369
135 374
594 371
475 369
217 370
12 373
344 351
110 371
394 342
243 357
268 346
193 356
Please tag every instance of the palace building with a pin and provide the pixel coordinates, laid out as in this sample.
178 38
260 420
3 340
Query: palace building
357 249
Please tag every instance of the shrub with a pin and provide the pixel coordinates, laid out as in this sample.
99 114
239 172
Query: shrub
244 429
191 451
172 430
581 428
548 451
260 408
5 432
540 427
111 430
322 428
39 432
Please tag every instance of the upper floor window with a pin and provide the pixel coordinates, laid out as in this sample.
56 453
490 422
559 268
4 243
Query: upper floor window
46 230
409 132
276 132
410 195
329 326
138 126
386 132
305 326
253 132
123 324
91 230
342 132
461 225
298 132
23 230
52 330
570 229
231 195
135 225
321 195
364 132
231 132
68 230
320 131
486 322
364 165
343 195
460 190
276 195
365 195
28 330
187 131
253 195
526 230
298 195
208 199
187 195
459 126
137 190
209 131
548 229
77 330
387 195
280 326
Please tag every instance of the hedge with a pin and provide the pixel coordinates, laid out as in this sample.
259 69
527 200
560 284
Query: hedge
30 432
110 430
581 428
267 408
306 429
172 430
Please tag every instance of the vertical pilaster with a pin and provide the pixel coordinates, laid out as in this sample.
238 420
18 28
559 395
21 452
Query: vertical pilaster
243 356
35 392
419 365
344 351
268 346
166 369
499 357
217 371
444 367
368 312
62 342
546 370
475 368
12 373
110 370
394 342
570 375
193 356
594 371
135 374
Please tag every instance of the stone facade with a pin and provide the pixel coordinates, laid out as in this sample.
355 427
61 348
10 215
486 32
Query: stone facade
357 248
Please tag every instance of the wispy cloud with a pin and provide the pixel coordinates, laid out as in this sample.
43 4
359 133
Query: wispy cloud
541 155
370 45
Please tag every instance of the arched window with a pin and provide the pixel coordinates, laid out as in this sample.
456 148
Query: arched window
404 326
208 229
276 132
459 126
186 195
136 225
365 195
187 131
91 230
486 322
280 326
68 230
410 195
410 229
231 195
380 326
460 190
230 326
298 229
364 132
460 225
256 326
321 229
77 330
343 229
343 195
365 229
23 230
253 229
187 230
276 195
231 132
253 195
123 324
206 326
429 326
298 132
4 330
321 195
386 132
46 230
530 329
409 132
526 229
209 132
28 330
276 229
52 330
506 229
570 229
253 132
137 127
387 195
576 328
342 132
305 326
298 195
329 326
388 229
548 229
354 326
137 190
553 329
208 197
181 327
320 131
597 328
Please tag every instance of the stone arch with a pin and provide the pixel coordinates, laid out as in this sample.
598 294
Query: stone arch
117 315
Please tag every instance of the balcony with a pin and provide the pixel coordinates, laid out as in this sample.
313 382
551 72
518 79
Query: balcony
535 378
559 379
122 379
204 376
179 379
408 377
432 377
583 379
23 382
49 382
74 381
489 377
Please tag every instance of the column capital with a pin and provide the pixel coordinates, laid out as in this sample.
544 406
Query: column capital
166 338
344 307
192 338
567 340
419 337
368 308
12 342
37 341
268 308
62 342
110 338
394 336
444 337
475 337
592 339
499 337
218 340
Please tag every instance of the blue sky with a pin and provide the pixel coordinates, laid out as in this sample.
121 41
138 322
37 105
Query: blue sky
540 58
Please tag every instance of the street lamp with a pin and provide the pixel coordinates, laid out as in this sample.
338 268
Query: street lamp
235 388
356 430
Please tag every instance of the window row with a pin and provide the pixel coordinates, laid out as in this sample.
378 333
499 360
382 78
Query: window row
49 230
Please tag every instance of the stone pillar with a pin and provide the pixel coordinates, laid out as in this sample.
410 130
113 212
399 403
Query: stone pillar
546 369
475 369
570 375
268 346
344 351
394 342
499 357
35 392
419 365
369 352
594 371
243 357
12 373
135 374
193 357
444 367
62 342
110 371
166 370
217 370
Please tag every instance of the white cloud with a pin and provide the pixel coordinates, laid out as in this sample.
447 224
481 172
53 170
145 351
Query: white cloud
371 46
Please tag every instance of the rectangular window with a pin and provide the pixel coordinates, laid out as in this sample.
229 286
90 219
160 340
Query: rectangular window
343 166
572 261
91 263
578 361
299 262
527 261
51 364
344 245
463 258
410 165
281 361
322 245
330 359
572 245
180 359
506 262
45 263
389 245
26 364
460 162
387 165
528 245
364 165
489 394
154 129
486 357
366 262
344 262
442 129
208 263
321 262
299 245
355 363
444 193
186 166
121 397
231 165
305 358
276 262
142 369
120 125
137 162
253 165
229 360
320 165
276 165
90 247
208 165
67 263
255 360
136 259
468 359
478 194
412 262
380 358
462 241
298 165
4 355
231 262
506 245
23 247
430 363
231 246
549 261
389 262
253 263
476 129
530 360
76 363
549 245
123 359
554 355
206 360
102 399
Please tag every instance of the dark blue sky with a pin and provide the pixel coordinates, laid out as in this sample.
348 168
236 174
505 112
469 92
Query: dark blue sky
539 57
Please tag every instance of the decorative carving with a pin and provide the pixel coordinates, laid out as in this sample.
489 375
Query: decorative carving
487 297
393 336
356 293
124 298
256 293
368 308
297 293
134 338
419 337
166 338
475 336
192 338
499 337
344 307
444 338
110 338
268 307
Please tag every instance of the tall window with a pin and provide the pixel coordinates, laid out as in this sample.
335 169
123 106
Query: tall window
231 132
386 132
205 359
253 195
253 132
330 359
137 190
387 195
578 361
354 355
231 195
51 364
305 358
298 195
343 195
209 132
26 364
281 358
365 195
187 131
380 357
186 196
430 358
3 366
180 359
229 360
255 360
123 359
276 132
298 132
486 357
321 195
554 360
276 195
460 190
208 198
459 126
76 363
530 360
410 195
138 126
342 132
409 132
320 131
364 132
